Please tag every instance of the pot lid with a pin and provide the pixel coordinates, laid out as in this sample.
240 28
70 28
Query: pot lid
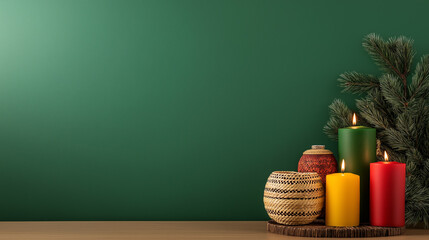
318 149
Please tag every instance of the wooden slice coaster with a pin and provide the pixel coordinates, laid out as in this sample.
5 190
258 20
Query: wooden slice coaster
318 229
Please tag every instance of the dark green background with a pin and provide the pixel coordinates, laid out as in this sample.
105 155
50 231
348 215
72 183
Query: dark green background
171 110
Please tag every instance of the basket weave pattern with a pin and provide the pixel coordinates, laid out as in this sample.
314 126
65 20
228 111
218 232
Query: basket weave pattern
293 198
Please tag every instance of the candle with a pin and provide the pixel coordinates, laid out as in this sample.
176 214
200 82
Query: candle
387 193
342 199
357 144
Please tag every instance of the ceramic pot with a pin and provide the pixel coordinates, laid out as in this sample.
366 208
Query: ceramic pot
319 160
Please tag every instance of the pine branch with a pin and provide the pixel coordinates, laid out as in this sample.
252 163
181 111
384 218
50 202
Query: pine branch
416 203
391 90
407 127
425 171
424 143
397 140
340 118
358 83
415 119
382 106
414 159
419 87
371 114
393 56
393 155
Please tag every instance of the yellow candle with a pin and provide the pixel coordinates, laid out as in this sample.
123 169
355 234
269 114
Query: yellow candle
342 199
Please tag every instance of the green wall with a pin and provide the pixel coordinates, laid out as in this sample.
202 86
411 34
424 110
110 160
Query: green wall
171 110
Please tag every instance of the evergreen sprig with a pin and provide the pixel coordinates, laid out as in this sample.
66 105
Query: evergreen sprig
358 83
398 110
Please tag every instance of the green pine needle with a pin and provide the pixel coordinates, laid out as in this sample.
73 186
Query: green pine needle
358 83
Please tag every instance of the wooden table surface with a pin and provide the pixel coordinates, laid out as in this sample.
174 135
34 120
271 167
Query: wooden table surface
155 230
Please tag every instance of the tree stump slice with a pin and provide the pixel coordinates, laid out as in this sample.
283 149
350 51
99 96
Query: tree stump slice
318 229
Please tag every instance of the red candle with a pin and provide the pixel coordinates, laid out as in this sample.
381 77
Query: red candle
387 193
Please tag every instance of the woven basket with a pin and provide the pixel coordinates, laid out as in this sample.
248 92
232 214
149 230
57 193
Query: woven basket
293 198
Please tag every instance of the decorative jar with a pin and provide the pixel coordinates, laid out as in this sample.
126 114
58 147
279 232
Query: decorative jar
319 160
293 198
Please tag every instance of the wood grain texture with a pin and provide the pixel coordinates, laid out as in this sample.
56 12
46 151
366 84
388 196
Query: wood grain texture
125 230
318 229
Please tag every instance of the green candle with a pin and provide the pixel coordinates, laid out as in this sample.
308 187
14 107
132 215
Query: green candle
357 146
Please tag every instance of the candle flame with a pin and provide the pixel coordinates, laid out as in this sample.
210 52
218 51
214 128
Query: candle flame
386 157
354 119
343 166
